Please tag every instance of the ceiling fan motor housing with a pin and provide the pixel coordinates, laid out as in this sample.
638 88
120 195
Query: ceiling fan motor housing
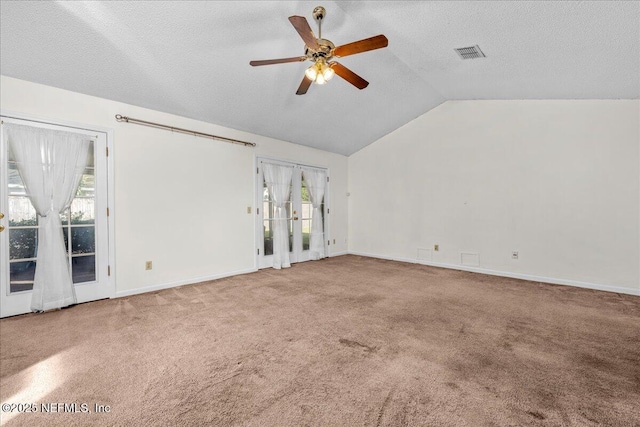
326 46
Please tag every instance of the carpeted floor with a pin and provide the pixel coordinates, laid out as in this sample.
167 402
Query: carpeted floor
344 341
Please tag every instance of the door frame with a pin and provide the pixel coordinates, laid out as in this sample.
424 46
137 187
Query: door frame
110 283
258 220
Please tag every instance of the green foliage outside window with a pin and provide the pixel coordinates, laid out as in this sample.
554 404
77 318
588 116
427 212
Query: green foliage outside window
23 242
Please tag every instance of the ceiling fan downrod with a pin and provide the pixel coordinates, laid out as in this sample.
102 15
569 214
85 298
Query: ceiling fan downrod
319 13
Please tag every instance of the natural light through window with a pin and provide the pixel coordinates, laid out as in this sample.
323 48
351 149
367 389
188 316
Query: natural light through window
78 227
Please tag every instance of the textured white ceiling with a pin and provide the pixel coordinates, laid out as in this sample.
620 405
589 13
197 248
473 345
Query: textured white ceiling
192 58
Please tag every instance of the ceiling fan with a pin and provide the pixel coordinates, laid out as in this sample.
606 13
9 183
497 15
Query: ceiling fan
322 53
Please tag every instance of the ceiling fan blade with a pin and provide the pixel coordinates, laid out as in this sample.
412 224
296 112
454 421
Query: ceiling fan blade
349 75
304 85
360 46
302 27
277 61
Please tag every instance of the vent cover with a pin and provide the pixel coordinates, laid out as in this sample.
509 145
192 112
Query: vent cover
471 52
471 259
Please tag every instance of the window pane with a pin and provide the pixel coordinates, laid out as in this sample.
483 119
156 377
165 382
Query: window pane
268 215
290 226
87 186
23 243
83 268
307 210
83 240
21 212
64 217
268 229
267 210
83 210
90 156
11 157
268 237
16 187
65 234
305 192
20 272
306 230
306 226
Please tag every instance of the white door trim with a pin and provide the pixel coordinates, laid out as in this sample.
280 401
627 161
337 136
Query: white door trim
259 238
110 284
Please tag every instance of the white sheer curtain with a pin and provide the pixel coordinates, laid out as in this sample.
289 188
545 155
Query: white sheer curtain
278 180
316 181
50 164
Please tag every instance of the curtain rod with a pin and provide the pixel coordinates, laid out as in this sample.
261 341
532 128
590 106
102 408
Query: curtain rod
122 118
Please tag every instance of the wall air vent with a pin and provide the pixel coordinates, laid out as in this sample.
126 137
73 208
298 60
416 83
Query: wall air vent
470 258
470 52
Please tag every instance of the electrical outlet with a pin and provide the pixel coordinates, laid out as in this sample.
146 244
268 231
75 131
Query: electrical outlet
334 241
248 209
514 255
148 265
436 247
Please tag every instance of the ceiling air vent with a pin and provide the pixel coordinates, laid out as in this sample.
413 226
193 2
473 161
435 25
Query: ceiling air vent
470 52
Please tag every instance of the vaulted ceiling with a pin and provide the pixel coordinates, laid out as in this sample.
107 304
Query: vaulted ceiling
192 58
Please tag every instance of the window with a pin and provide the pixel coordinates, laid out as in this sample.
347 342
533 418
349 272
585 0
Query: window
78 226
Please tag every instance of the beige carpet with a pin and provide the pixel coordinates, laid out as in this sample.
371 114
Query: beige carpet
344 341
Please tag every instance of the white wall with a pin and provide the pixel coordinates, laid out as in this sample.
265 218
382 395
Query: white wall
557 181
180 201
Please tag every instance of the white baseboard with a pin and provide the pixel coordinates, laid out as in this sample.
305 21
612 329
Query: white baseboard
129 292
332 254
521 276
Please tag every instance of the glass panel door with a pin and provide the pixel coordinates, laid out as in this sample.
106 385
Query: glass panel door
268 215
299 252
21 224
299 216
307 214
85 229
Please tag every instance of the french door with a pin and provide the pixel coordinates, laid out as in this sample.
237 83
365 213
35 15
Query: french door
299 216
85 228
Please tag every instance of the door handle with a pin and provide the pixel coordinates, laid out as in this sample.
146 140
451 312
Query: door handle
1 215
1 228
295 218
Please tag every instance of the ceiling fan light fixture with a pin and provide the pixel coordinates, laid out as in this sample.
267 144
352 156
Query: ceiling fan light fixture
328 73
312 72
320 72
